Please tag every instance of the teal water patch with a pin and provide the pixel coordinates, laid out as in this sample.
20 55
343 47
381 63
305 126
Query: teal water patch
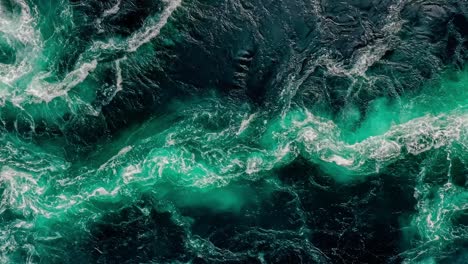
210 145
166 186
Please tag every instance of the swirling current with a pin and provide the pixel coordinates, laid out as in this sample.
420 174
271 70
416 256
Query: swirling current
233 131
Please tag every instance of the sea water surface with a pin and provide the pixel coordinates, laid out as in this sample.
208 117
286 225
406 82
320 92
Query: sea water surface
233 131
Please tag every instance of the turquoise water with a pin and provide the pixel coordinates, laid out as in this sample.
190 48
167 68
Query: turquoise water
94 169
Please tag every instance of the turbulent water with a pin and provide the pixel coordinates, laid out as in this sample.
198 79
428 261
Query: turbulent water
233 131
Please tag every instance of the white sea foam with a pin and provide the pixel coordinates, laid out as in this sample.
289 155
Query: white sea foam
22 29
19 32
118 77
45 91
113 10
151 30
245 123
321 141
368 55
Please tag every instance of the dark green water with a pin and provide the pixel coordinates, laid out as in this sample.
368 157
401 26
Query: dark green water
232 131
